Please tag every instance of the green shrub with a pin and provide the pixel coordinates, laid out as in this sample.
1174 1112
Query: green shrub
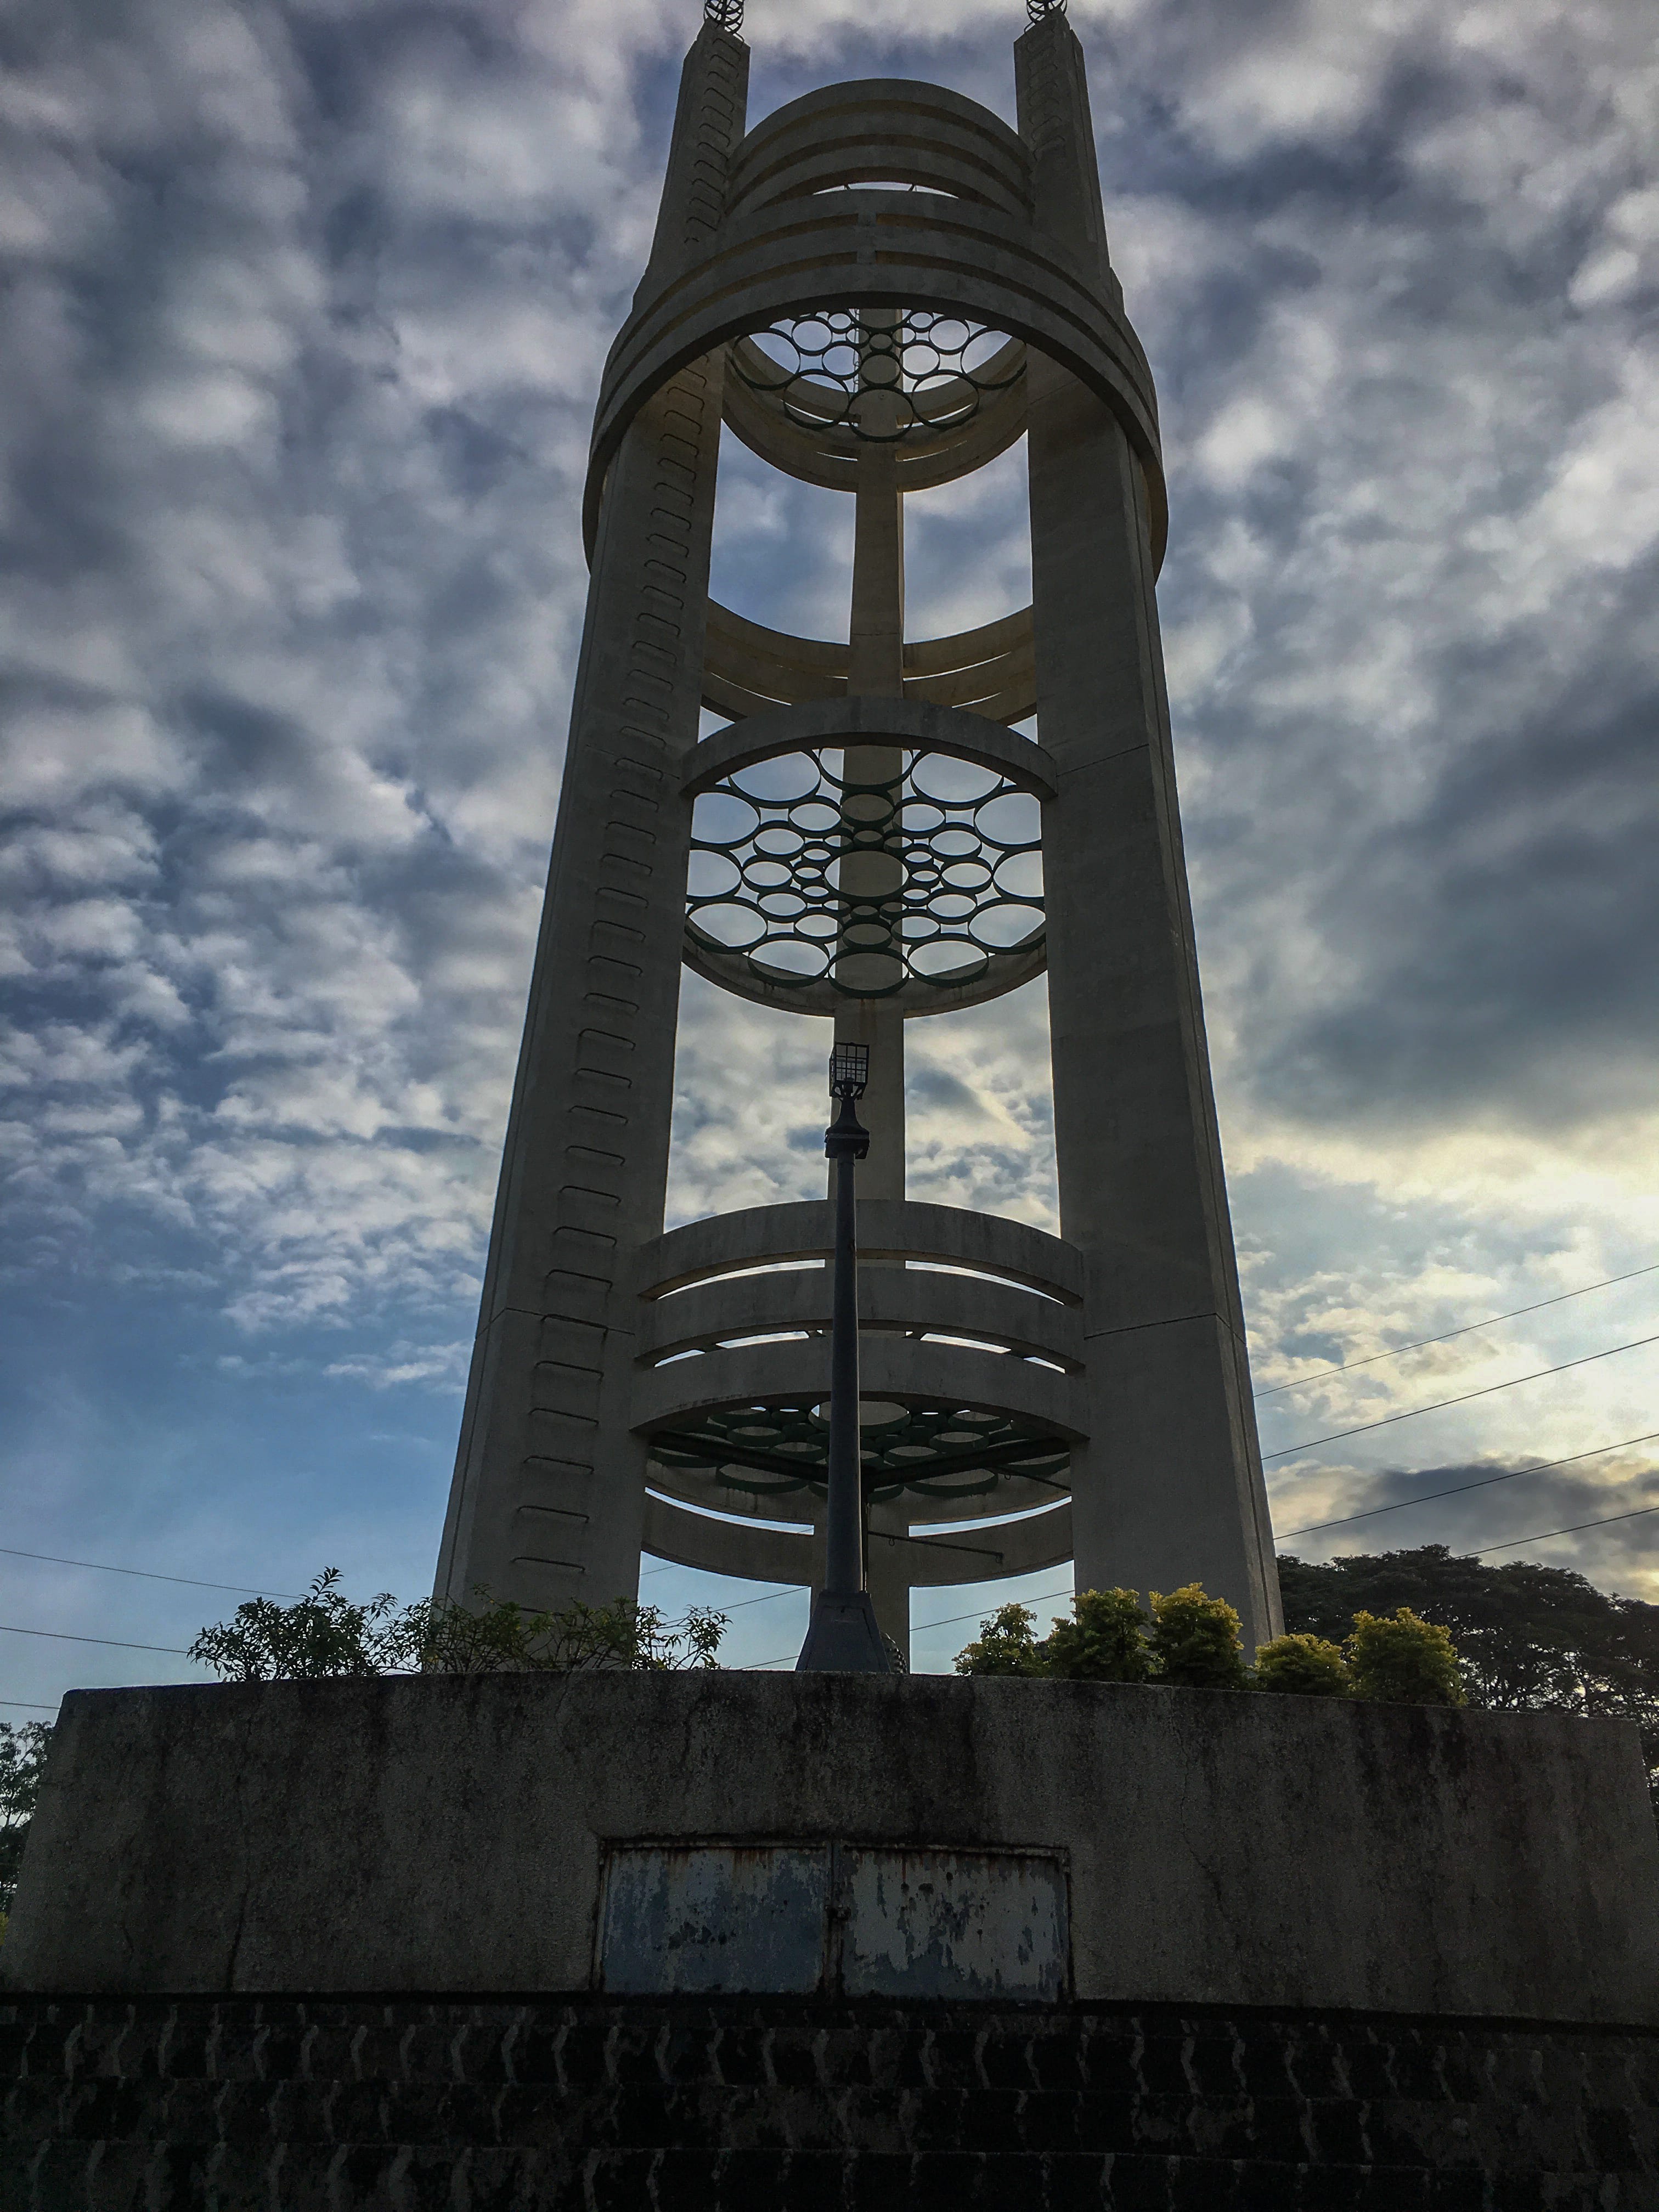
1005 1645
1195 1641
1104 1641
323 1633
503 1638
1304 1666
1404 1661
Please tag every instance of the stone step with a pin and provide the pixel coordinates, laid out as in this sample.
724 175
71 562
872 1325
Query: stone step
230 2105
888 2122
123 2176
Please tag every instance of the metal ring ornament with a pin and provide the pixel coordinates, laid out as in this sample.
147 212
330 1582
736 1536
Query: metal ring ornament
903 873
873 249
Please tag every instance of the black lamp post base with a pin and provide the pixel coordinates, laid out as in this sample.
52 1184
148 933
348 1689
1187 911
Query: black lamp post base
844 1639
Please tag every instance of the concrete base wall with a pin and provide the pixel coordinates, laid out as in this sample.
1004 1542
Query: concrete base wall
448 1834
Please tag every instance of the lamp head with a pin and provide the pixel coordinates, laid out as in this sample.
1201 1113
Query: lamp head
849 1071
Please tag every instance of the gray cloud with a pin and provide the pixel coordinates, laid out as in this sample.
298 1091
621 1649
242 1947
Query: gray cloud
305 311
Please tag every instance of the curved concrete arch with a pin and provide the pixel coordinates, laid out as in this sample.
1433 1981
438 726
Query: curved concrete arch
749 669
888 1229
897 1368
882 129
913 723
889 1298
823 251
1014 1494
691 1539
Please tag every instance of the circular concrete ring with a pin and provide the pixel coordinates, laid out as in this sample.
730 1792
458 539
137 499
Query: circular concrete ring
891 249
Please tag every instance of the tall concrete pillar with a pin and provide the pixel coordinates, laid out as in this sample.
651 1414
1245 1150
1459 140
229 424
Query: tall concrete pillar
1169 1487
549 1498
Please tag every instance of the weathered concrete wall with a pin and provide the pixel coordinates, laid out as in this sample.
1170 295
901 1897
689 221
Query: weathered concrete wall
446 1834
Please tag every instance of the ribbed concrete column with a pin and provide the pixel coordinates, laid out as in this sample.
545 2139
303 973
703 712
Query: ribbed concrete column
548 1501
1170 1488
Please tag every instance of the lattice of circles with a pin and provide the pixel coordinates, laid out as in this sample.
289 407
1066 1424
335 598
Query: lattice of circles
938 1452
884 377
811 875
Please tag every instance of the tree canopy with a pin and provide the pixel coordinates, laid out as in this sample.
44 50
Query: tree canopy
1527 1636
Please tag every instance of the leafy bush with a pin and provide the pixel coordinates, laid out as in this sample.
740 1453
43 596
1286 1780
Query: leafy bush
1005 1645
323 1633
1195 1641
23 1761
1404 1661
1104 1641
500 1638
1304 1666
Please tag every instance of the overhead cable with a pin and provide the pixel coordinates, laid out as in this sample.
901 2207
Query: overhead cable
1578 1525
1485 1481
1343 1366
242 1589
1440 1403
62 1636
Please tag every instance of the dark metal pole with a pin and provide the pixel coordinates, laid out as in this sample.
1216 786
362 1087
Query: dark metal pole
843 1575
844 1635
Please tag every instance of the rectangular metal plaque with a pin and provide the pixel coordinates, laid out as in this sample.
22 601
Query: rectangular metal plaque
865 1920
714 1917
974 1924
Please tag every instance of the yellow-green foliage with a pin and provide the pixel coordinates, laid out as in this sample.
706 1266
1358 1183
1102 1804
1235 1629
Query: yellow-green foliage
1404 1661
1104 1641
1304 1666
1005 1645
1195 1641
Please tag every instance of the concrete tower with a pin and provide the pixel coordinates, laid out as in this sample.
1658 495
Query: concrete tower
870 838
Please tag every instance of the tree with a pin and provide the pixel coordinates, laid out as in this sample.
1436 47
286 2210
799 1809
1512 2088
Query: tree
23 1761
1529 1637
1006 1644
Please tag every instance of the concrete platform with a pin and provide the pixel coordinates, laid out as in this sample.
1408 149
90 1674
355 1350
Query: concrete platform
462 1835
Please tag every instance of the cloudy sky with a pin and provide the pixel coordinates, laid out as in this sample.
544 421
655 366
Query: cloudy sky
304 315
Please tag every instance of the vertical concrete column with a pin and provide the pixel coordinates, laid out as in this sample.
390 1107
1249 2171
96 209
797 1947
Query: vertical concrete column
1169 1489
548 1500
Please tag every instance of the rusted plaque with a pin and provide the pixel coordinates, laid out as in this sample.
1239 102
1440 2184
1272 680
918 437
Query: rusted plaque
863 1919
714 1917
961 1924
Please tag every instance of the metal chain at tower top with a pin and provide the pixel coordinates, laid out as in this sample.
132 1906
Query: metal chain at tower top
727 14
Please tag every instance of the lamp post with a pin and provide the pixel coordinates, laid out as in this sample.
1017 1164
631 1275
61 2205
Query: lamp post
843 1635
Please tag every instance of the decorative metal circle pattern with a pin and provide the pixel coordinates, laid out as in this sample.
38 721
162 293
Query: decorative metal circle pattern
884 375
811 870
938 1452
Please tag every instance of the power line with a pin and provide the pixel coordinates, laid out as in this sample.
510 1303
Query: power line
1573 1531
51 1559
1370 1360
1429 1497
62 1636
1039 1597
1440 1403
28 1706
